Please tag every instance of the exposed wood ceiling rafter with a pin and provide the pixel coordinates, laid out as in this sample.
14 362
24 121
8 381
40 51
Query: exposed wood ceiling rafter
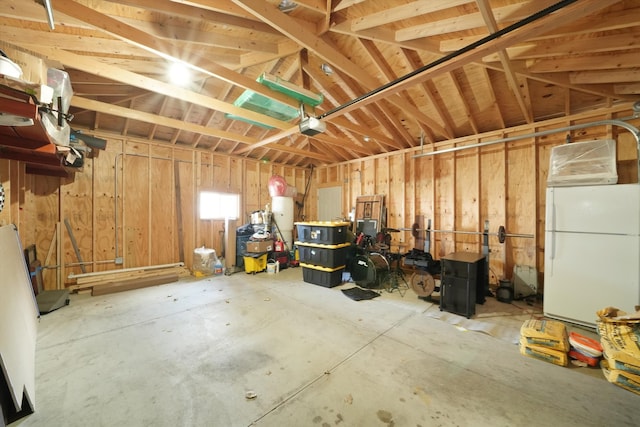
581 57
512 79
542 25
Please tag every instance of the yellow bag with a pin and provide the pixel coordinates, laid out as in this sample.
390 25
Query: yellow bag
620 343
545 333
545 354
622 379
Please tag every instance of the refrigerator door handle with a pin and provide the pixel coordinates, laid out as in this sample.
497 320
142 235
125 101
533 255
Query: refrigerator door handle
553 231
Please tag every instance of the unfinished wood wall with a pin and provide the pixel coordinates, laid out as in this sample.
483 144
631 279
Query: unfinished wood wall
137 201
157 186
503 183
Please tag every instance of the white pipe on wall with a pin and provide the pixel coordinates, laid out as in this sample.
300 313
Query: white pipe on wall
616 122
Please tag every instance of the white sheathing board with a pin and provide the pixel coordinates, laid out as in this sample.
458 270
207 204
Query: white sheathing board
18 320
329 203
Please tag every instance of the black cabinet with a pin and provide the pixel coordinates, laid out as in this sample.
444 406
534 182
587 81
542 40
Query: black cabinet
463 282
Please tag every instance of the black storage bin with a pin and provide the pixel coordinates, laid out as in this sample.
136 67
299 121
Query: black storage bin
241 249
323 255
322 232
322 276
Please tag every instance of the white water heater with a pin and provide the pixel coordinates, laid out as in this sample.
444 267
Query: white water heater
282 208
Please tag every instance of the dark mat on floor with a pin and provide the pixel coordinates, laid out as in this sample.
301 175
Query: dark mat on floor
359 294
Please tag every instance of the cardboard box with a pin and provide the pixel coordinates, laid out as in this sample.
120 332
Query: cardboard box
34 69
260 246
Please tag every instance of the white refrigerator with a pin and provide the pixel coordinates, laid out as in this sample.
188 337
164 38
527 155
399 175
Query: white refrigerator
592 251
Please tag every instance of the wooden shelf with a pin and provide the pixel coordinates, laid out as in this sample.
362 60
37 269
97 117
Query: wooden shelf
31 145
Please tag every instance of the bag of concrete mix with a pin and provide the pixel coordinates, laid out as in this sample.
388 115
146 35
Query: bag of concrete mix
619 336
545 354
545 333
613 314
627 365
622 379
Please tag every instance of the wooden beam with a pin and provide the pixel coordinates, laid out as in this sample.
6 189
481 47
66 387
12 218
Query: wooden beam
402 12
525 107
129 113
605 76
130 284
74 243
584 45
325 23
428 87
462 100
165 49
225 7
73 42
614 20
343 4
326 51
543 25
273 138
341 143
613 61
385 69
102 90
178 196
314 5
628 89
494 100
510 13
191 39
270 145
94 67
384 35
176 8
364 131
557 79
371 113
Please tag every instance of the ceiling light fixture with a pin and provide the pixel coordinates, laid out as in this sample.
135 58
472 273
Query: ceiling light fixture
179 74
287 6
326 69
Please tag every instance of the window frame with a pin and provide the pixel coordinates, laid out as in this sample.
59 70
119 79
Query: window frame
220 198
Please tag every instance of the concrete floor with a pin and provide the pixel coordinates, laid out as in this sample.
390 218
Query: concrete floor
187 354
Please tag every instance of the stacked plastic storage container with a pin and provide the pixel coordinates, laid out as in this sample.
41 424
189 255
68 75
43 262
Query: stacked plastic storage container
323 248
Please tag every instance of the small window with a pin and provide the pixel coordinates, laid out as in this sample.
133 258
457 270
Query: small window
219 205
